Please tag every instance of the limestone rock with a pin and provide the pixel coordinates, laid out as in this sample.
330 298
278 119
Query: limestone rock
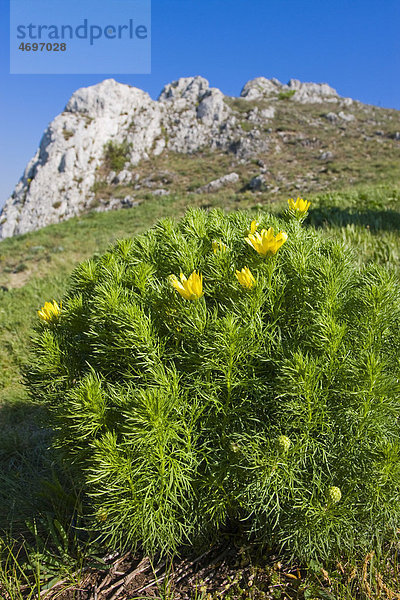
212 108
189 89
57 182
123 176
332 117
305 93
311 93
257 183
346 117
116 204
160 192
260 87
217 184
327 155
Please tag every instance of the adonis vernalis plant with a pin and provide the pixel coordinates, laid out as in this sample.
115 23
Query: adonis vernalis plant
261 386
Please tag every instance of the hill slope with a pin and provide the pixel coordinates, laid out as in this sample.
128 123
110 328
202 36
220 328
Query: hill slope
113 145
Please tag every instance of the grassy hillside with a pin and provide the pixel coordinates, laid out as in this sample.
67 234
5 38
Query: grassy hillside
34 268
308 148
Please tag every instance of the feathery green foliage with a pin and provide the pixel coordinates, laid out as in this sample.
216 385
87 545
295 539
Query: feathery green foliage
277 406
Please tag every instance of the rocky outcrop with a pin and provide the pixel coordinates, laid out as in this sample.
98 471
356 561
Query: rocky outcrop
304 93
57 182
219 183
189 115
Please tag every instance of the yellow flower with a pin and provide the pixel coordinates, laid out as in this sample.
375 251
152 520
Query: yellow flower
191 288
300 207
219 246
265 242
245 277
253 227
50 311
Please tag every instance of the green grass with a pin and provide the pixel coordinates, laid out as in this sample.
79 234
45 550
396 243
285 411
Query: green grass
367 218
247 125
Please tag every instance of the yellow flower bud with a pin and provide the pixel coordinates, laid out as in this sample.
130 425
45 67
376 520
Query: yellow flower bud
102 515
245 277
253 226
234 447
219 246
298 208
283 444
50 312
334 494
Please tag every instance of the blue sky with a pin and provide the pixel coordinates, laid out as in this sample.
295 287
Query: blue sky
351 44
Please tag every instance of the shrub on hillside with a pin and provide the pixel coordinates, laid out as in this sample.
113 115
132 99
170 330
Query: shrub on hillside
261 386
116 155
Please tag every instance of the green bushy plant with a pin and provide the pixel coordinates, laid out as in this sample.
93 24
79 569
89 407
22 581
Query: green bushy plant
267 396
286 95
116 155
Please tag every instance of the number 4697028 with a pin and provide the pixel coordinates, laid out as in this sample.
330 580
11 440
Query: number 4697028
42 46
